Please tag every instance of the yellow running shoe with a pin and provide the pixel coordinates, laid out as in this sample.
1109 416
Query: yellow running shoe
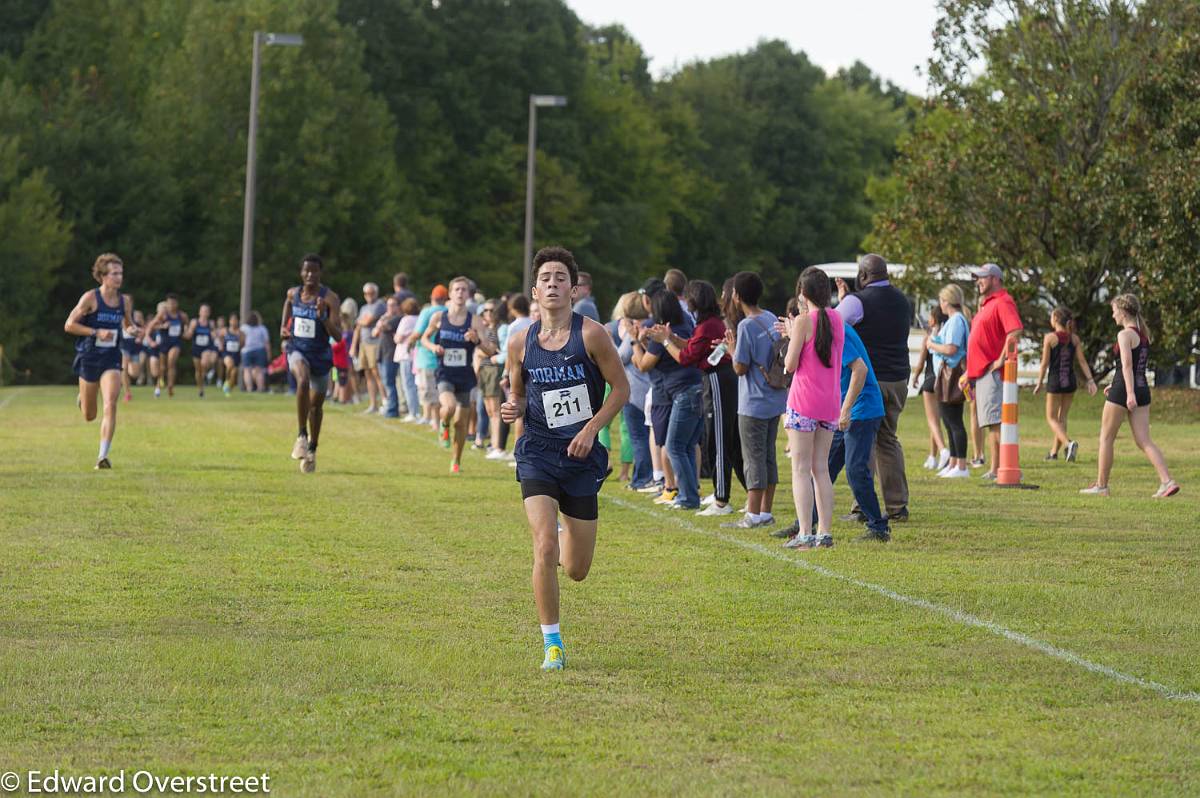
556 659
666 497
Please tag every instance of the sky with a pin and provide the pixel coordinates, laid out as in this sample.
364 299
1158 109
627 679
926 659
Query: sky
892 37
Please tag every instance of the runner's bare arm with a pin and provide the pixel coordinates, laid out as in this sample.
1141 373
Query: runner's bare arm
1047 345
74 324
435 324
514 408
190 330
154 324
285 322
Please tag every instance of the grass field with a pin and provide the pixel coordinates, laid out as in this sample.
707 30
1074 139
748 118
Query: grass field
370 630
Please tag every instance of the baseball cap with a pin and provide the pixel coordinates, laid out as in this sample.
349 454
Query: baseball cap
652 287
988 270
439 292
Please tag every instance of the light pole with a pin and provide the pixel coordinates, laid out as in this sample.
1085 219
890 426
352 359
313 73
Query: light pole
535 101
260 38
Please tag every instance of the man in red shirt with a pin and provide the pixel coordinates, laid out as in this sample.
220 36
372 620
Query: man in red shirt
996 325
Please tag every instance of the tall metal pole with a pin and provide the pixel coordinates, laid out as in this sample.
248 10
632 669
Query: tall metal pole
251 175
529 168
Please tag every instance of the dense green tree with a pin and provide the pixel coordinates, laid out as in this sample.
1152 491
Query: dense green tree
20 18
395 139
782 156
33 243
1040 162
1166 226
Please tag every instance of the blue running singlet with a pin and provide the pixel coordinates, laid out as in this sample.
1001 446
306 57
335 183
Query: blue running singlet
202 340
308 334
454 366
169 336
563 391
94 356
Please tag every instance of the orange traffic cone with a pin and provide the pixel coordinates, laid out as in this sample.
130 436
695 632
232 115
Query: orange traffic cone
1008 474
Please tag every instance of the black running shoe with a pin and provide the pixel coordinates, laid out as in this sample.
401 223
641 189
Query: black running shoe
102 464
855 517
871 536
899 515
1051 457
787 531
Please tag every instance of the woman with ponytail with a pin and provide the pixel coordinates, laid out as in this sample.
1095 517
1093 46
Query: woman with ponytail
1129 397
814 357
1061 351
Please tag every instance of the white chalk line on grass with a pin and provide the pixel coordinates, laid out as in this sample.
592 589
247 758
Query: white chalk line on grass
964 618
8 400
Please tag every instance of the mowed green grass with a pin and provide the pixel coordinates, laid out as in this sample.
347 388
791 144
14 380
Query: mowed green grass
370 630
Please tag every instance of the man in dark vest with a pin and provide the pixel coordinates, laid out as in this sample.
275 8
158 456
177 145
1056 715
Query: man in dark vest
881 315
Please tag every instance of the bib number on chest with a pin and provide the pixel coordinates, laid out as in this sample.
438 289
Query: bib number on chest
108 343
232 346
454 357
174 330
566 406
201 340
305 328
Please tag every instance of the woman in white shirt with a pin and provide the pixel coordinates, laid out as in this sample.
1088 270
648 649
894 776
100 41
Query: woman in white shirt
256 353
410 311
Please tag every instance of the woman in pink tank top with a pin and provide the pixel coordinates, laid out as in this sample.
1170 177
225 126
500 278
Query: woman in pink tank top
814 357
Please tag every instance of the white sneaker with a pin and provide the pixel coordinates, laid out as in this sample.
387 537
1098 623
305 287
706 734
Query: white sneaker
709 499
930 462
943 459
308 463
410 419
512 463
955 473
944 470
510 457
715 509
300 448
495 454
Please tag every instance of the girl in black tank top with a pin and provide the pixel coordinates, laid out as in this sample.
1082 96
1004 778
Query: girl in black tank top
1133 351
1061 352
1118 392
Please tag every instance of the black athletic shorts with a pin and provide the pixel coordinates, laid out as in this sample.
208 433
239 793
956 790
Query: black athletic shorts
585 508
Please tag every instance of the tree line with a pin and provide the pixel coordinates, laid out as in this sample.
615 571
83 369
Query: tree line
394 140
1061 139
1063 142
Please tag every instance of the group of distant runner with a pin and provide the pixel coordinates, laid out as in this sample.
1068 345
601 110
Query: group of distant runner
564 382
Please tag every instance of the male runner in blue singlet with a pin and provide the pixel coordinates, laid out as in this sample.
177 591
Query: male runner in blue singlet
452 335
203 334
170 322
99 320
311 316
231 352
557 369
